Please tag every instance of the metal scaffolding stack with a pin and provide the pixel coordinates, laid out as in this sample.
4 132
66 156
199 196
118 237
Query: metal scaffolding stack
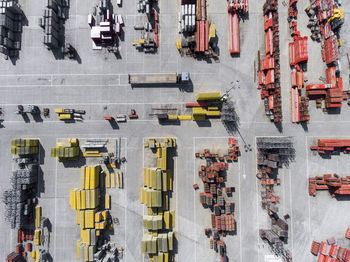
20 199
10 27
273 153
95 143
283 146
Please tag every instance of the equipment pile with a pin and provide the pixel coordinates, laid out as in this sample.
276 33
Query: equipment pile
269 69
216 195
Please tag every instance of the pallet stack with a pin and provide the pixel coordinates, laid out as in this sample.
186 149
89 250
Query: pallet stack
92 212
55 14
11 17
216 195
269 72
24 147
158 242
20 201
66 151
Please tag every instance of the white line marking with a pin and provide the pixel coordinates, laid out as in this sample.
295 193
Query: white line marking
125 191
55 226
194 200
240 205
307 179
257 198
291 210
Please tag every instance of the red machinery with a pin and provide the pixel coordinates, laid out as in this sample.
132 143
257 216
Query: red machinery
235 7
109 118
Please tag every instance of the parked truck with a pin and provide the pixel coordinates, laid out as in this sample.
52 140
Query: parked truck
167 78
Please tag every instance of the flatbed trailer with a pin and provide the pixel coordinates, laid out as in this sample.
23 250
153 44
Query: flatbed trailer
168 78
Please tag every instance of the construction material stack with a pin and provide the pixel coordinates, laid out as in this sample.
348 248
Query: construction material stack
216 195
66 151
198 34
105 26
330 249
298 57
269 69
92 207
19 200
158 242
273 153
148 25
11 17
236 9
330 146
326 19
336 185
55 15
21 209
208 105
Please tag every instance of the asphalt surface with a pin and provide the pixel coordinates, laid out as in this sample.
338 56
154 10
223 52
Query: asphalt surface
98 84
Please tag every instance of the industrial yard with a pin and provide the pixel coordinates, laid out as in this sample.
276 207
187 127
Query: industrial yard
145 148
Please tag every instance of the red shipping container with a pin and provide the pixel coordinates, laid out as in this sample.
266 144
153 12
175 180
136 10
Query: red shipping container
331 49
331 77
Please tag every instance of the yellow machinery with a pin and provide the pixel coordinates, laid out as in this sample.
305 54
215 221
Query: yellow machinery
338 13
212 33
178 44
141 41
65 116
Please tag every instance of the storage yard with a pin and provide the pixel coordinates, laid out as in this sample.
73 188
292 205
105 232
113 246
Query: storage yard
82 179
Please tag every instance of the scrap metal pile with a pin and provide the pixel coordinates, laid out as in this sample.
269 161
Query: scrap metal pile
330 250
329 146
105 26
298 57
11 17
269 69
273 152
148 25
198 34
236 9
216 195
333 183
55 15
326 19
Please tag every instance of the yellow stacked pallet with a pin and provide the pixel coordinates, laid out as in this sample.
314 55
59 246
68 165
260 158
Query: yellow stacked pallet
85 236
90 218
108 180
37 216
113 180
82 199
37 237
120 180
107 202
